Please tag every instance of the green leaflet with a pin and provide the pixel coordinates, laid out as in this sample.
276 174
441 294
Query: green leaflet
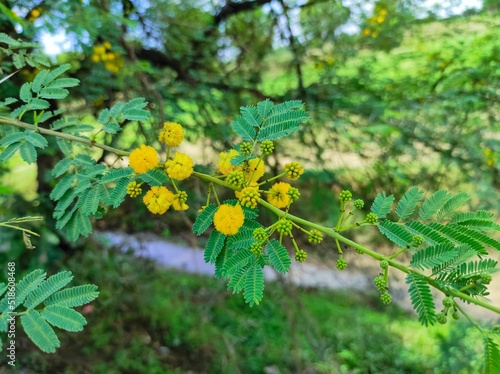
73 296
395 233
433 256
264 108
220 262
406 206
464 253
24 288
241 240
47 288
78 225
154 177
469 216
421 299
91 200
115 174
61 167
63 317
254 285
431 236
449 209
435 202
204 219
238 280
251 115
460 236
242 128
9 152
28 152
278 256
382 205
237 262
280 123
39 331
118 193
214 246
491 356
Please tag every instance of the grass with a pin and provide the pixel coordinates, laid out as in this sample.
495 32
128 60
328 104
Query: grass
151 320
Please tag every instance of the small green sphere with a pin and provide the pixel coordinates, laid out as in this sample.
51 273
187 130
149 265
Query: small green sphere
384 264
300 255
260 234
267 147
448 302
455 316
371 218
359 204
345 196
380 283
341 264
315 237
246 148
441 318
386 298
284 226
418 240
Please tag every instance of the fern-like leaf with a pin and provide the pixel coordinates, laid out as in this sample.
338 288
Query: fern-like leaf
430 236
238 280
254 285
63 317
39 331
73 296
479 236
91 201
421 299
278 256
237 262
47 288
115 174
464 254
284 119
449 209
406 206
395 233
61 167
204 219
62 186
24 287
491 357
214 246
78 225
242 128
468 216
220 262
264 108
117 194
243 239
435 202
480 224
154 177
433 256
459 236
382 205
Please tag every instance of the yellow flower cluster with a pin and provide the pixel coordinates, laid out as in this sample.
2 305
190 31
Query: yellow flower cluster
252 170
143 159
179 202
278 195
112 60
34 14
228 219
172 134
158 199
379 17
294 170
180 167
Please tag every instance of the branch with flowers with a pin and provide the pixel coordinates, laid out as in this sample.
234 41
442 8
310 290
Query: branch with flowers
448 247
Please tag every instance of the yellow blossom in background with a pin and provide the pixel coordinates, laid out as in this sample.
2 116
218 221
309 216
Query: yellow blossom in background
228 219
278 196
144 159
224 163
180 167
106 45
179 201
172 134
254 170
95 58
158 199
366 32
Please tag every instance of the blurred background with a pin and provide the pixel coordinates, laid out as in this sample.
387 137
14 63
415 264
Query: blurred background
400 93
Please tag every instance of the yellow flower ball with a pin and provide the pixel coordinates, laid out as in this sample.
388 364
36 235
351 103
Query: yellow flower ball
224 163
278 196
158 199
228 219
172 134
179 202
143 159
180 167
254 170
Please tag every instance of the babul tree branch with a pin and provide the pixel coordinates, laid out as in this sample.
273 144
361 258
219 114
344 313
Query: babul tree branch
326 230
